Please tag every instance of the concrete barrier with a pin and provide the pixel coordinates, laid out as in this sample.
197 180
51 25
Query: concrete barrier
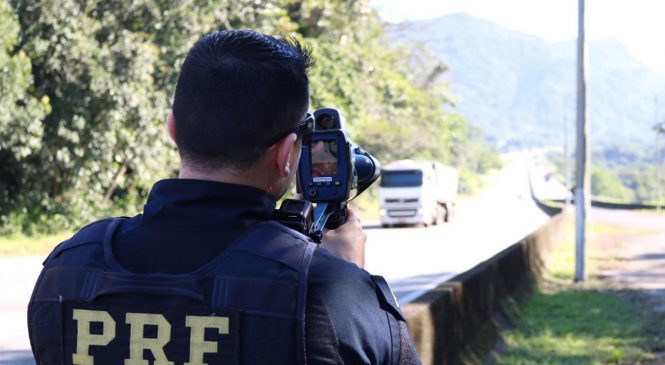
446 320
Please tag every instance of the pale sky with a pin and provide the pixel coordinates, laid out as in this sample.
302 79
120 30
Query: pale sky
638 24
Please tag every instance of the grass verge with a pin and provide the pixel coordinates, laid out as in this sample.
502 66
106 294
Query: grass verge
577 326
22 245
596 322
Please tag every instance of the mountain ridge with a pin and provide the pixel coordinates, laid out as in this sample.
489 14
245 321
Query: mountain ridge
520 89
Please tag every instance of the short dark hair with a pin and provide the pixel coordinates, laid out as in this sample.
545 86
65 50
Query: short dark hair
236 91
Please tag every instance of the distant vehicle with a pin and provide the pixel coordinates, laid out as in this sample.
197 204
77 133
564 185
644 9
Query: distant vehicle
417 192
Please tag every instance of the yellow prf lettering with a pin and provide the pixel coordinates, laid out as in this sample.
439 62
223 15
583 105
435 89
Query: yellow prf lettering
138 343
85 339
197 344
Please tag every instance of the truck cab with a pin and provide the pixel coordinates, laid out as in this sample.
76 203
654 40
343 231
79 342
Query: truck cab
417 193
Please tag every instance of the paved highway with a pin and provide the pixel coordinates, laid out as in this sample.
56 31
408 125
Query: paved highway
413 260
17 276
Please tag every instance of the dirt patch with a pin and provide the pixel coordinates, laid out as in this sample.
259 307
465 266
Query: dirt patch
631 250
630 254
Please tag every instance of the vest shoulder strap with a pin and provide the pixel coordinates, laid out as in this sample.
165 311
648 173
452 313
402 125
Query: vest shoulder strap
92 233
285 245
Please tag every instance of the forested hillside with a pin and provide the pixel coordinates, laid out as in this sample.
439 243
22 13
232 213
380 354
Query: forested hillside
622 173
520 89
86 86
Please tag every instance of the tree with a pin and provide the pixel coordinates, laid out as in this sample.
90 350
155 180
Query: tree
606 186
92 84
21 129
108 69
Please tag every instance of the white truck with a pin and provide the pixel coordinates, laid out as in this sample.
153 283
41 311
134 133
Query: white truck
417 192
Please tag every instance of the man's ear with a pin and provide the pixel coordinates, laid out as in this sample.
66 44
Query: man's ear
170 125
283 150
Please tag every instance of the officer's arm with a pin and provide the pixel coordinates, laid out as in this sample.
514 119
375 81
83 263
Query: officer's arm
407 349
352 317
347 241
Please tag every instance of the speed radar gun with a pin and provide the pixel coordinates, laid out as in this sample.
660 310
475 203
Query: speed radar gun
333 170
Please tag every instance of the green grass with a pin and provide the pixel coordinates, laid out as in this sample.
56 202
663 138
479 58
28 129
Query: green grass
602 228
652 211
561 263
576 326
21 245
567 323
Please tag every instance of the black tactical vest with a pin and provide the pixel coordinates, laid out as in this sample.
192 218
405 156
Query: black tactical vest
246 306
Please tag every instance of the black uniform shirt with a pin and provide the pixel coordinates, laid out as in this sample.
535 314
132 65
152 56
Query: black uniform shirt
186 223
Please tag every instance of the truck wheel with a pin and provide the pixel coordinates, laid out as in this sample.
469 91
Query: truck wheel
439 215
385 225
450 212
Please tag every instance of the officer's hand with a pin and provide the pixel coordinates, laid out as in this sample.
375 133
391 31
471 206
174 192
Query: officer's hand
348 240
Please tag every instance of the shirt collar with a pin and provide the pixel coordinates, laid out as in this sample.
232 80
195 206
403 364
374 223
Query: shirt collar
185 204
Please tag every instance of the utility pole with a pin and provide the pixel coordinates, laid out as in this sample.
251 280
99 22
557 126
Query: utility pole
659 128
566 162
582 186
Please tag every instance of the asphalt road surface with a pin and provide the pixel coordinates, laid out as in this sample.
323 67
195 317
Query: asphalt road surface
17 276
413 260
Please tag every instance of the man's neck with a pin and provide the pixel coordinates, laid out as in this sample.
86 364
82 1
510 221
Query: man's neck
248 177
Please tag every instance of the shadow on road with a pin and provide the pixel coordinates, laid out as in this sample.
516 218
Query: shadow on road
372 226
651 256
410 288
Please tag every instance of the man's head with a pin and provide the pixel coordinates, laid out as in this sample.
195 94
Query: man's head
237 92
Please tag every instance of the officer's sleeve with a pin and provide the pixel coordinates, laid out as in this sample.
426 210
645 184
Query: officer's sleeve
366 328
407 350
407 354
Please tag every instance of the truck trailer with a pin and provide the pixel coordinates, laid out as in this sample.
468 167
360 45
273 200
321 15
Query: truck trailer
417 192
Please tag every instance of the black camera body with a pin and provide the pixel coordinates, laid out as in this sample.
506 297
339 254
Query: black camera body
332 171
326 171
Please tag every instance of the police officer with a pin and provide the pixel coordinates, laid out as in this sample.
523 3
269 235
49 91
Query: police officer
204 276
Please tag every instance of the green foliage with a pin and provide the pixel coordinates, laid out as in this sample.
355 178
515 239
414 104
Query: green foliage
386 111
98 69
21 128
87 86
606 186
474 157
625 173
